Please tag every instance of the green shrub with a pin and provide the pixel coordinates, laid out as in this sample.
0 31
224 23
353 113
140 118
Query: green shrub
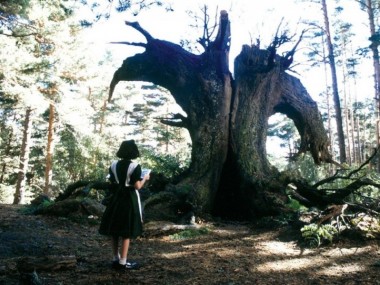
314 235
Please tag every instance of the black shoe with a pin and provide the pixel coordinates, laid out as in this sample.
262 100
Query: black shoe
115 264
130 265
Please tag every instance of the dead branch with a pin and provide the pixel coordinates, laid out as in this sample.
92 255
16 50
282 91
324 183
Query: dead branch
22 23
330 213
313 195
173 123
363 208
137 27
287 59
19 36
349 175
308 195
223 38
279 40
205 40
177 120
130 44
321 198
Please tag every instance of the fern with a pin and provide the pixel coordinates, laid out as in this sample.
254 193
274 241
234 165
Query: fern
315 235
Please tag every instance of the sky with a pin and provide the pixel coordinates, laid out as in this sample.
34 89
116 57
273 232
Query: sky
250 19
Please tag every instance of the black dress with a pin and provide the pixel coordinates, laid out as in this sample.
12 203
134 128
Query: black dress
123 216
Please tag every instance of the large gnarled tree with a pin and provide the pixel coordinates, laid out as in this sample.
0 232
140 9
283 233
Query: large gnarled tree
227 117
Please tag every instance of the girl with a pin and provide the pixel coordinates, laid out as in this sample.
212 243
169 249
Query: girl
122 218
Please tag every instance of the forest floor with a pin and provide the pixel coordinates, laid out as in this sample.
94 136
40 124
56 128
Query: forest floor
228 253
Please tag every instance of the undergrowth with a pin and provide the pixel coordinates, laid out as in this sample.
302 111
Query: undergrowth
189 233
314 235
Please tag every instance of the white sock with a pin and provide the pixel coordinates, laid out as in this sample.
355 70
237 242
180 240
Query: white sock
122 261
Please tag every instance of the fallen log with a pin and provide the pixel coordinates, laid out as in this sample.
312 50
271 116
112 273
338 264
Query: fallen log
83 188
325 193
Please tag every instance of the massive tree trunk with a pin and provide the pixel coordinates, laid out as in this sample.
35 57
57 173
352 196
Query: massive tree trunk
255 186
227 118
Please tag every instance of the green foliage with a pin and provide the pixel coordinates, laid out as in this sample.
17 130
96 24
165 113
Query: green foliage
314 235
27 210
282 128
31 209
13 7
284 134
167 164
190 233
305 167
295 205
80 158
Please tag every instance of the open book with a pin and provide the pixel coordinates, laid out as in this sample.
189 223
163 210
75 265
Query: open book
144 172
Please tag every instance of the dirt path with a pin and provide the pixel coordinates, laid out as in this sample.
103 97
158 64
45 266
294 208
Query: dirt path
228 254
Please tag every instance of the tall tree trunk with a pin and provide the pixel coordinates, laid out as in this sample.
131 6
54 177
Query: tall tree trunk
352 129
346 118
330 133
375 42
359 142
355 131
347 74
338 110
49 150
6 153
350 148
19 196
